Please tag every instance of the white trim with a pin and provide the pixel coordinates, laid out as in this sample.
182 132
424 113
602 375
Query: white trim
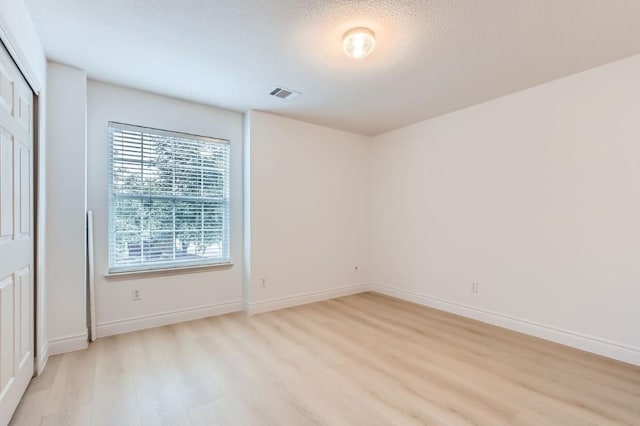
558 335
90 272
41 363
142 322
13 47
74 342
566 337
253 308
178 270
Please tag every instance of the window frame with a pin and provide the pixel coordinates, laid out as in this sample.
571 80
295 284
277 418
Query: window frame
173 265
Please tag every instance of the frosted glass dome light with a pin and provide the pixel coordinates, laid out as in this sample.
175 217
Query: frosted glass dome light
358 42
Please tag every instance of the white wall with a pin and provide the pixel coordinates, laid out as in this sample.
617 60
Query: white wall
67 200
19 35
309 212
531 195
535 196
172 297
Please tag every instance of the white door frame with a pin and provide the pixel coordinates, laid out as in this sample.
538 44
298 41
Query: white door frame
40 344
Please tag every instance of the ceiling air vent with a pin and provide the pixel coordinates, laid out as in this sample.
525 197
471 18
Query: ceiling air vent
288 94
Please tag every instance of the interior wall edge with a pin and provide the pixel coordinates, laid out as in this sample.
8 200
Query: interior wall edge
43 358
565 337
71 343
246 208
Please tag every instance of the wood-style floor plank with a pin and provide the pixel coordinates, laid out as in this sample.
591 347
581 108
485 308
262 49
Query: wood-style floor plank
365 359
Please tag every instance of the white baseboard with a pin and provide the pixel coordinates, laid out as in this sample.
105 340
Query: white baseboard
43 357
142 322
66 344
253 308
566 337
558 335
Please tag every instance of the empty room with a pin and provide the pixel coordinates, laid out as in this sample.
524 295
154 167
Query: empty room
314 212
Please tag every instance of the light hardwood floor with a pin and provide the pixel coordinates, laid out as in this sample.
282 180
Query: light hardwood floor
362 360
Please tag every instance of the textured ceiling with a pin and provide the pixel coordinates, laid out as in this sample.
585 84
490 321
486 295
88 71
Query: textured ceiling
432 56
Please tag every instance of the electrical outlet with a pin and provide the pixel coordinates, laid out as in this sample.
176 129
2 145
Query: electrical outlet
263 283
136 295
474 287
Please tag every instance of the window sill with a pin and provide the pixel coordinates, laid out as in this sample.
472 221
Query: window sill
116 276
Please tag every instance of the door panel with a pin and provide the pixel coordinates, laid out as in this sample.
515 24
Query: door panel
23 305
16 236
6 89
6 186
24 190
7 364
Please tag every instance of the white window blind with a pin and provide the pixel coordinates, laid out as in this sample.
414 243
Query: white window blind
168 199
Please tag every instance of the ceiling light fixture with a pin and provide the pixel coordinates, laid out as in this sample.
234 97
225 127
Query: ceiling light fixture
358 42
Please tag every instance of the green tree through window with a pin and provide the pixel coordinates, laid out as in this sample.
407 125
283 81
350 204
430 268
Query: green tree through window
169 199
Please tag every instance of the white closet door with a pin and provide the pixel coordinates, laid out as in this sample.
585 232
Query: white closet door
16 236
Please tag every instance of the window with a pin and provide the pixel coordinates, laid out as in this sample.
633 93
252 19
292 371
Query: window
168 199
